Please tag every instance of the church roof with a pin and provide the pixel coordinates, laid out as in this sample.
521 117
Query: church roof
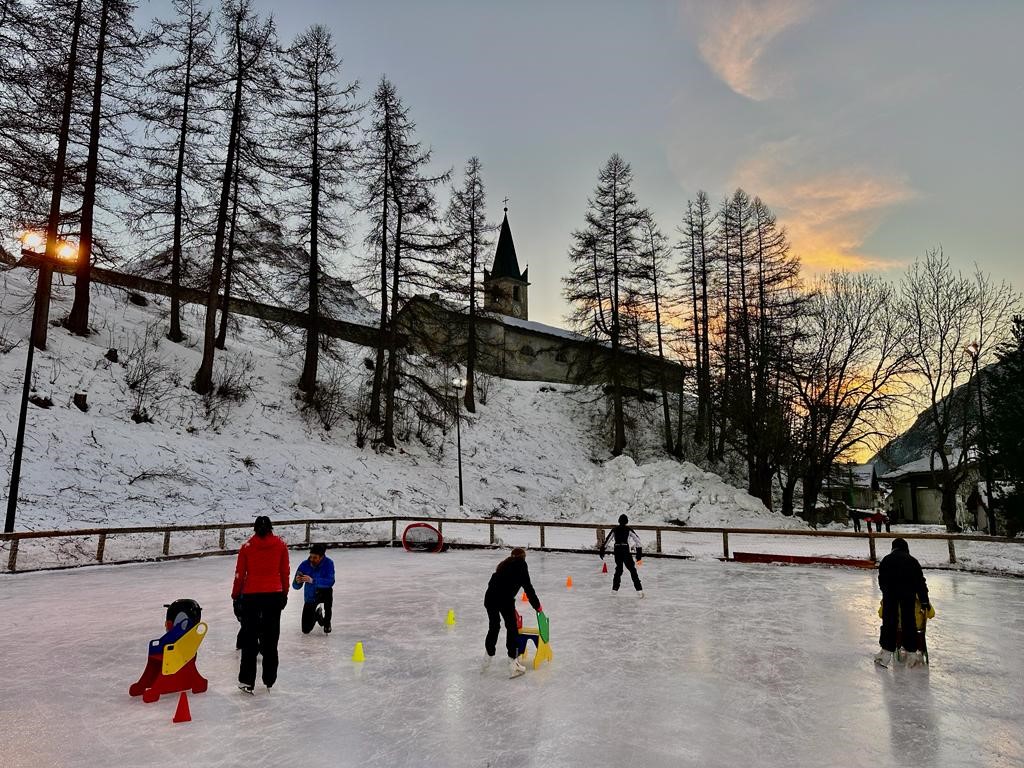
505 262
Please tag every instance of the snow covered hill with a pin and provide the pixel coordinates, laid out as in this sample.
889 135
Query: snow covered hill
531 452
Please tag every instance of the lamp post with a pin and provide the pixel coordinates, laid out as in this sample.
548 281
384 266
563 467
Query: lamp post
30 242
458 384
974 350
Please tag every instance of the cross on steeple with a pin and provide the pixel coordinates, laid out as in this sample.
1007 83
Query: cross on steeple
506 203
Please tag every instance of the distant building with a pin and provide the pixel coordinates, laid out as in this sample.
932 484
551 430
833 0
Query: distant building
917 496
509 344
856 485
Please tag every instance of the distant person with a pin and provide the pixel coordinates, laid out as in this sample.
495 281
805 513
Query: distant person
902 583
261 581
316 575
511 575
624 537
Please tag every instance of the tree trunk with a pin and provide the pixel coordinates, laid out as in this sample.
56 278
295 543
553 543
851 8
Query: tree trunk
788 494
229 268
175 334
203 381
378 369
391 384
78 320
40 315
307 382
469 398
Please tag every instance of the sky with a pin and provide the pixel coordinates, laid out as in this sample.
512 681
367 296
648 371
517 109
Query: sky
876 130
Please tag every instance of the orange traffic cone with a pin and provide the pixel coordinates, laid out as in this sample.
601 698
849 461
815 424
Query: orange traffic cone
568 582
525 598
182 714
604 567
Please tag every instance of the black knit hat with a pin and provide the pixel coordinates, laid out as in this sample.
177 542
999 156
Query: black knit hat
623 519
318 549
262 526
900 544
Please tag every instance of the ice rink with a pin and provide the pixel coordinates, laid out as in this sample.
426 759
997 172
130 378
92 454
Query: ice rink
721 665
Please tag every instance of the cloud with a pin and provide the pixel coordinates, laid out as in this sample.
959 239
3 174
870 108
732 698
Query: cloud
733 36
828 212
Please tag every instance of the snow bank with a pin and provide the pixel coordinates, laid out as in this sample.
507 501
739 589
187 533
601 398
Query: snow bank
664 491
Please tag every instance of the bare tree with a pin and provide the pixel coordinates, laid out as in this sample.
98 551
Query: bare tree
849 373
949 311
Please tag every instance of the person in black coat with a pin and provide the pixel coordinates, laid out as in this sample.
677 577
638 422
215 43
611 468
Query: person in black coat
511 575
624 538
902 583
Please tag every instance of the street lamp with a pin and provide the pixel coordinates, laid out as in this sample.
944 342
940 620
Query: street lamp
974 351
458 385
31 242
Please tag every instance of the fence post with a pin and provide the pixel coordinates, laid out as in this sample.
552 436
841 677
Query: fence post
600 537
307 533
542 537
12 560
100 546
952 551
167 543
657 541
725 544
492 534
871 548
220 541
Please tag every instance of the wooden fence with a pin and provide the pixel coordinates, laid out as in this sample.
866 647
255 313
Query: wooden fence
176 541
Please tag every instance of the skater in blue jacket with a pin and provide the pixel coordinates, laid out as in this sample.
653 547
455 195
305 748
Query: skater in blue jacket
315 575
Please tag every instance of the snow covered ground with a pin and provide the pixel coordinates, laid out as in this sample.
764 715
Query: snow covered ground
534 451
721 665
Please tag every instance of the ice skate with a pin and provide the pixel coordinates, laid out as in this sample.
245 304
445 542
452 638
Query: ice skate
515 669
640 594
246 688
915 659
883 659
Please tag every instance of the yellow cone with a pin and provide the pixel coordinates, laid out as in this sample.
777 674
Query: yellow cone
357 654
450 621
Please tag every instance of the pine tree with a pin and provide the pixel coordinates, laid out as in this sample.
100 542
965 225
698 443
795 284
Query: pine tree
1004 397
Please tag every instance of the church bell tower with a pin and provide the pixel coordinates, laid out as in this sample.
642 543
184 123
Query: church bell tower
504 285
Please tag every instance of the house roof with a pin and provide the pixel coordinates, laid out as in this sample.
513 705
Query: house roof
923 465
505 262
852 475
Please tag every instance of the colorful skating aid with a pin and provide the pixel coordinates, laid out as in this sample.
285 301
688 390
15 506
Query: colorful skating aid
171 661
540 636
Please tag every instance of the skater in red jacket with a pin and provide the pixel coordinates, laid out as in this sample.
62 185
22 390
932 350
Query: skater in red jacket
260 590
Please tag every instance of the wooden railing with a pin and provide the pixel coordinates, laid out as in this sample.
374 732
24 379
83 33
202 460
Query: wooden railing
14 540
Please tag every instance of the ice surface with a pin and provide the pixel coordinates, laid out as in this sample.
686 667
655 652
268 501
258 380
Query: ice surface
722 665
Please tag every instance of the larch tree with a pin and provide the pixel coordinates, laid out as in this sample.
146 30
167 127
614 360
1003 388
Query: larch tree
178 89
467 225
603 258
318 119
252 45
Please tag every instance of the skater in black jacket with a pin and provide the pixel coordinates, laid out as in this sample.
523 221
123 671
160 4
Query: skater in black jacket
624 537
902 583
508 578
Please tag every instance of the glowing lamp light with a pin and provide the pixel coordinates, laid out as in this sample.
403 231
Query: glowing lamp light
33 241
67 251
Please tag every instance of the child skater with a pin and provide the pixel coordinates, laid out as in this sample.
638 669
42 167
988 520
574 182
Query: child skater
624 537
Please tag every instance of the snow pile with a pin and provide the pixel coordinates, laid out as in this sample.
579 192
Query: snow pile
667 491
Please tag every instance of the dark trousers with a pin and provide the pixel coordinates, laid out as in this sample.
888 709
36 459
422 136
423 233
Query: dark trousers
623 557
496 612
261 626
896 610
323 597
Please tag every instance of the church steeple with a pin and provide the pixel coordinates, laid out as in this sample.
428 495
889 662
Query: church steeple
504 285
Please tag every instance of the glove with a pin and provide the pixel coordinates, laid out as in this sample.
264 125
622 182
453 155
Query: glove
284 600
236 604
540 609
639 553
